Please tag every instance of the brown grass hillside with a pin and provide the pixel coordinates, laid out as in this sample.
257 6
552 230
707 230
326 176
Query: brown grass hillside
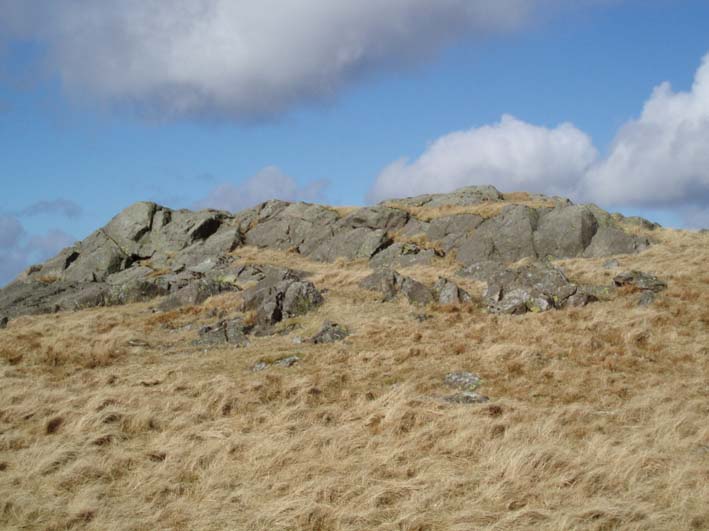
598 416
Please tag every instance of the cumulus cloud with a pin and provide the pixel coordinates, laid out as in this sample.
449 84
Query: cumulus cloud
18 249
661 158
269 183
243 59
62 207
511 154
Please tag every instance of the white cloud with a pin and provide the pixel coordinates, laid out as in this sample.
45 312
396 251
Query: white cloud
244 59
662 158
269 183
659 160
511 154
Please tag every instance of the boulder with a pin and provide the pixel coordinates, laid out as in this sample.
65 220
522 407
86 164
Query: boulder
565 232
535 287
3 322
390 283
507 237
464 381
300 297
416 292
286 298
386 281
448 292
640 281
330 333
610 241
232 332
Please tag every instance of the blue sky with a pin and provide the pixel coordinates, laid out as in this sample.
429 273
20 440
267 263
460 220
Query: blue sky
226 123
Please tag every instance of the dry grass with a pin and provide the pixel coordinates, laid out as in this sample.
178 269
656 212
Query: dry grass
111 419
484 209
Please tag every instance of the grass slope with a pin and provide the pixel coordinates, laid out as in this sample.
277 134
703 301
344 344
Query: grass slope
111 419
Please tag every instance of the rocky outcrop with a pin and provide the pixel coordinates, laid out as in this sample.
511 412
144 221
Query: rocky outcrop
279 297
535 287
330 333
390 284
150 251
640 281
232 332
448 292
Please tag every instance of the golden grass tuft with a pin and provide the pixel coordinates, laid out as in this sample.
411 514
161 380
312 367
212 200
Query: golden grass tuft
111 419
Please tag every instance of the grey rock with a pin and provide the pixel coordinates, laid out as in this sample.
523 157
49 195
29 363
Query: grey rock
416 292
647 298
292 226
471 195
565 232
481 271
403 255
609 241
414 227
640 280
507 237
465 381
378 217
131 274
330 333
86 296
580 299
466 397
355 244
260 366
138 290
636 221
300 298
195 292
97 257
390 284
611 264
287 362
458 225
287 298
128 227
4 322
232 332
448 292
386 281
535 287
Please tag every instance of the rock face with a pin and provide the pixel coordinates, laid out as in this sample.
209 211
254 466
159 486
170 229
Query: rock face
149 251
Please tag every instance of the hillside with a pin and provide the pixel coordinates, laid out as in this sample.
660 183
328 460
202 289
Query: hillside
474 360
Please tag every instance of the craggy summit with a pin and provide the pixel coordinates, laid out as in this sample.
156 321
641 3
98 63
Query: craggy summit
149 250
